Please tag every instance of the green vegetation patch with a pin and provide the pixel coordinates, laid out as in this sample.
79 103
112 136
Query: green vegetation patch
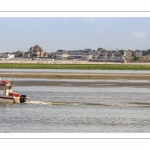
77 66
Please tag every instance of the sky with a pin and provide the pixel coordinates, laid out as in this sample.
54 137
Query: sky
74 33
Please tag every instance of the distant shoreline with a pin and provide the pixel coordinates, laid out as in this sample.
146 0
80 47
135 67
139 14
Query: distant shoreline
51 61
82 65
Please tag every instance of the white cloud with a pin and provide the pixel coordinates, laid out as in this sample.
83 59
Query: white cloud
138 34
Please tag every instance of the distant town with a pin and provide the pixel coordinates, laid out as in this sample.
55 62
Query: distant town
87 54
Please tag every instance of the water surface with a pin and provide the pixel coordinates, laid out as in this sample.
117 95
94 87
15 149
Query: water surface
75 109
72 71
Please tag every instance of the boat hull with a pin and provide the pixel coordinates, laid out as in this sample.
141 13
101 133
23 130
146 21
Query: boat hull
6 100
8 96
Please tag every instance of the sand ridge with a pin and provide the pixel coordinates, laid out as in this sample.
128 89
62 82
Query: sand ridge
129 76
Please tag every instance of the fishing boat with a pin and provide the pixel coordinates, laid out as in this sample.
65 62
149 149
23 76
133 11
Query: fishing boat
8 96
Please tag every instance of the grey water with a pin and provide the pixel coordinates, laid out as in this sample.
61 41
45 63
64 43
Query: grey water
71 71
69 109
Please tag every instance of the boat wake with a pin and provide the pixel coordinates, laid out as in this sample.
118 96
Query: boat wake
47 103
65 103
34 102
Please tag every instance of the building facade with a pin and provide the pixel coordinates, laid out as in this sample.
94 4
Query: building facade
73 54
26 55
127 53
106 56
61 54
8 56
36 51
139 53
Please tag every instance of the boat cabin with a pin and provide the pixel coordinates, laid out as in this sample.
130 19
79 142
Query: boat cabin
7 95
5 87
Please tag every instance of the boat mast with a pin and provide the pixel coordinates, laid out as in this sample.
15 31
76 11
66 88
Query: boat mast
13 75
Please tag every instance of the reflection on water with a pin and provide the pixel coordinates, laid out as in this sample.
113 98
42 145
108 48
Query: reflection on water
78 109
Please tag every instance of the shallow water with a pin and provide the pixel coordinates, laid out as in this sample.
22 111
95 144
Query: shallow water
72 71
57 109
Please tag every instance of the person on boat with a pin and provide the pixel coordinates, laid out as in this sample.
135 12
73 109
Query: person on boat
10 87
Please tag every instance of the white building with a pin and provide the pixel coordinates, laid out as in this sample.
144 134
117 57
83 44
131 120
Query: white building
61 54
108 56
140 53
26 55
8 56
74 54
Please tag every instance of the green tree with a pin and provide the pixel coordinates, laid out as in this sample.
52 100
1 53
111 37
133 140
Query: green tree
101 49
121 51
88 49
104 50
18 53
133 53
148 51
50 56
136 58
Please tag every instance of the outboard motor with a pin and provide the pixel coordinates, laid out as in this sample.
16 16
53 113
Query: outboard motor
23 98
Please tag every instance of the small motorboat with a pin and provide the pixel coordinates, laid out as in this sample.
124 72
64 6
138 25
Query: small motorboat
8 96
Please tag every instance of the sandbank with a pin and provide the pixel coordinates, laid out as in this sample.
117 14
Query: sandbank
109 76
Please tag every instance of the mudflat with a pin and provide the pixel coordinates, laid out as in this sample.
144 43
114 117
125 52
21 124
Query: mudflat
81 83
108 76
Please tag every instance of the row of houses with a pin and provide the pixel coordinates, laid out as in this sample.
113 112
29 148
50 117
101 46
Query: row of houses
90 55
7 55
139 53
24 55
106 56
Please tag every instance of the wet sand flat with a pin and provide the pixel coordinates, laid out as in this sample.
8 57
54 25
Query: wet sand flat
101 79
109 76
85 83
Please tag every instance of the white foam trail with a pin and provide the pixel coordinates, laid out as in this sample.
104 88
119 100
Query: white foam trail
41 102
35 102
47 103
